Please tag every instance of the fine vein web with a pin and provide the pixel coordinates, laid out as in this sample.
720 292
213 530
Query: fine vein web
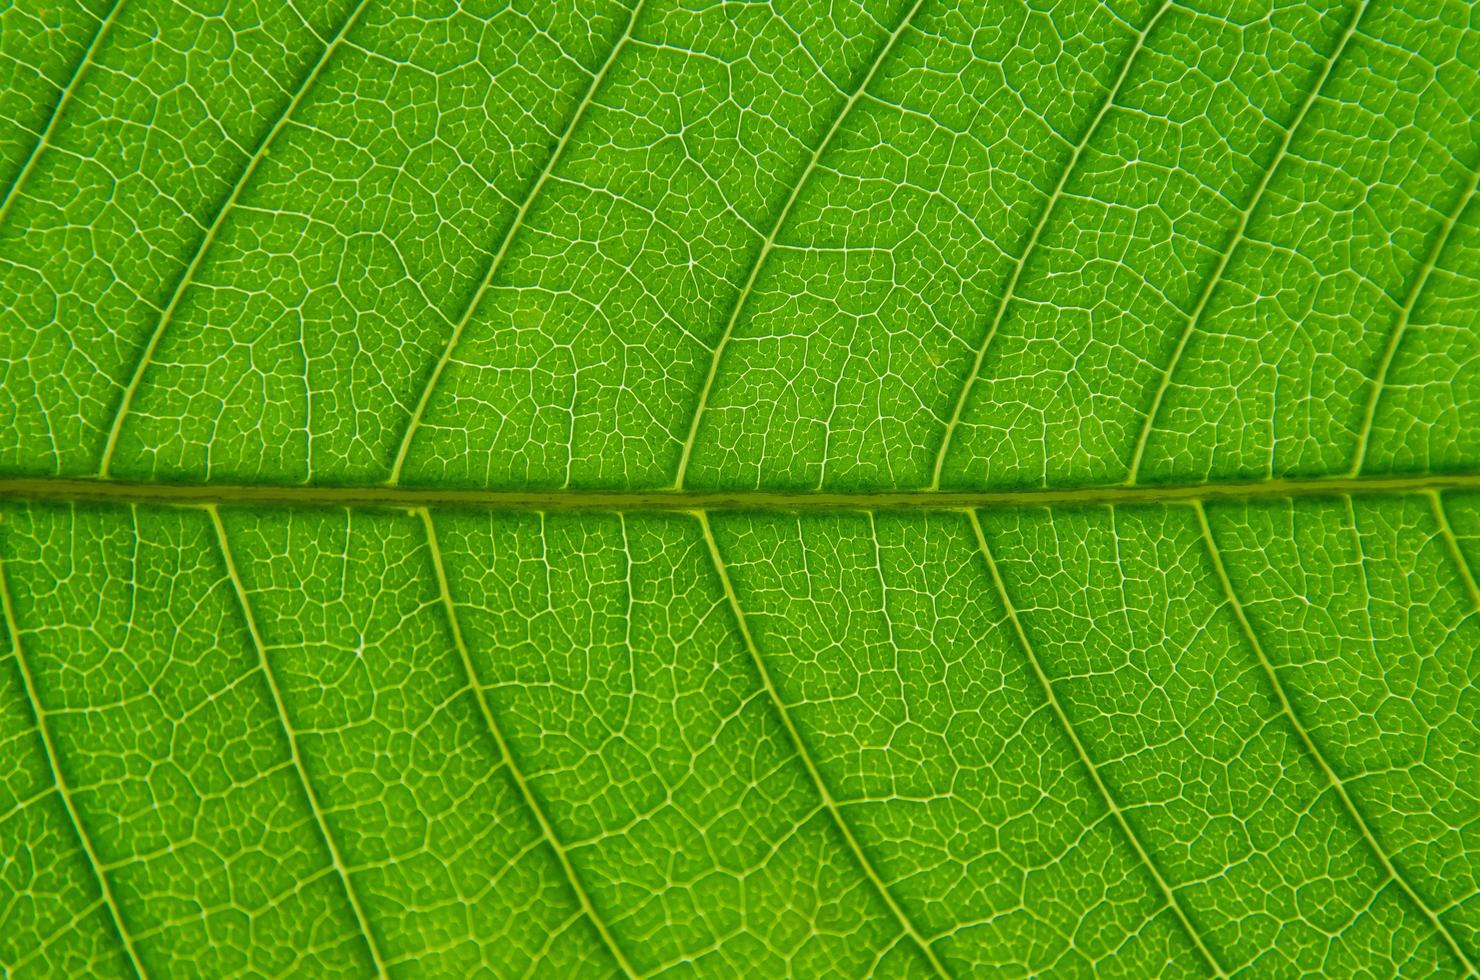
1008 291
1410 302
1335 782
769 244
314 804
1084 757
799 746
43 727
547 830
413 424
204 245
44 140
1235 239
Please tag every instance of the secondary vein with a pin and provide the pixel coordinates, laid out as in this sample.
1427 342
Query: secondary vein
1405 314
1084 757
1304 736
1008 291
804 754
413 424
1451 544
315 806
64 790
770 242
490 720
1241 227
204 245
89 56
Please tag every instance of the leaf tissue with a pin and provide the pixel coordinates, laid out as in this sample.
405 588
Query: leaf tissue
739 487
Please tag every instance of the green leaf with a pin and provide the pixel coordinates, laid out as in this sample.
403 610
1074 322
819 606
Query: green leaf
893 487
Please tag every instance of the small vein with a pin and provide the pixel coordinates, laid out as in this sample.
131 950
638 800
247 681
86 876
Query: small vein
13 191
1084 757
413 424
1332 779
1211 284
43 726
800 747
314 804
188 275
1410 303
1010 290
547 830
769 244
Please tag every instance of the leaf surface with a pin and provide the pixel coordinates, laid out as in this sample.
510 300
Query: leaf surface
622 487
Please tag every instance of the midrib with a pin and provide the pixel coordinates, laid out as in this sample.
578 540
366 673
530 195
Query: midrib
94 489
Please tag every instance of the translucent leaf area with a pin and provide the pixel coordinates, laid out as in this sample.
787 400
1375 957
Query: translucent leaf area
739 487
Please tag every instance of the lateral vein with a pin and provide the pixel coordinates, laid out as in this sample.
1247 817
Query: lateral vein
1084 757
1451 544
1010 290
204 246
314 804
1241 227
413 423
770 242
1405 314
799 746
43 726
47 131
490 720
1309 744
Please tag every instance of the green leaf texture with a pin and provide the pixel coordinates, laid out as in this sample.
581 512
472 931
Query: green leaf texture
739 487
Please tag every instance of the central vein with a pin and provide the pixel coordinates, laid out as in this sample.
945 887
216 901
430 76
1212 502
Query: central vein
93 489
